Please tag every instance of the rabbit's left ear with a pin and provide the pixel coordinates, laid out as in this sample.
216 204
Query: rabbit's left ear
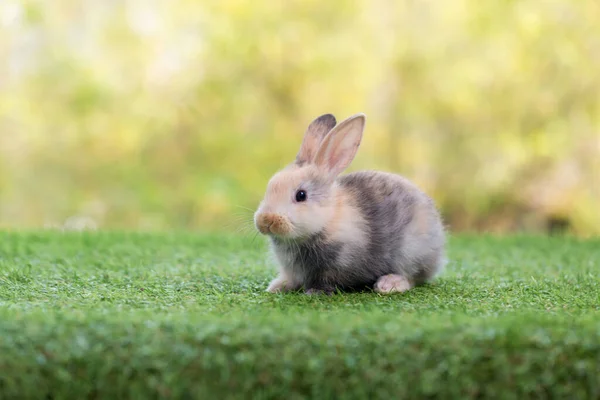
313 137
339 147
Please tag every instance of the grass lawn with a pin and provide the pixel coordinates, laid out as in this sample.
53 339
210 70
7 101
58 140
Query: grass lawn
114 315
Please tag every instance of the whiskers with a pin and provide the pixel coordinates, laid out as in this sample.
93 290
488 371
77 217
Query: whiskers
245 208
242 223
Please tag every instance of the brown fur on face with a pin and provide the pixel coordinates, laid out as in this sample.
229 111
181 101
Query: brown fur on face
282 187
273 223
280 214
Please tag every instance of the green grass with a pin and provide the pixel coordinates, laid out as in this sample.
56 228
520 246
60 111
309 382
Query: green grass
115 315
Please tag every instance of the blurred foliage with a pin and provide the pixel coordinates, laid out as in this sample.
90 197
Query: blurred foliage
174 114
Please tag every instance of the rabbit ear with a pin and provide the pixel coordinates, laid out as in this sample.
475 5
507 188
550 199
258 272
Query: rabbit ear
313 137
340 145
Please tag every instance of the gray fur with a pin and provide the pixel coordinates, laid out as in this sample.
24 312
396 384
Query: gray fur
387 202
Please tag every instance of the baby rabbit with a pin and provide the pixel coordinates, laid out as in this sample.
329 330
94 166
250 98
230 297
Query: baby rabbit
350 232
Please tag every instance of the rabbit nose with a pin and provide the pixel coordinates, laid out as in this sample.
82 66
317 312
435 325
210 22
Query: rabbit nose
264 222
272 223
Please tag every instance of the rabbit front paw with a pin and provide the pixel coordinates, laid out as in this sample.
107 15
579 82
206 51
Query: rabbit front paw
278 285
392 283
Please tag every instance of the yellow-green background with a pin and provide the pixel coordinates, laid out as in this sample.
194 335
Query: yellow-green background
173 114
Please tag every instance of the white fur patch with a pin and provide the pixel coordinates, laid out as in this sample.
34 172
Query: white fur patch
288 271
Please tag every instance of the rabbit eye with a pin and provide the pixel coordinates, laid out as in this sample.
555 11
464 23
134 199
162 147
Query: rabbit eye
300 196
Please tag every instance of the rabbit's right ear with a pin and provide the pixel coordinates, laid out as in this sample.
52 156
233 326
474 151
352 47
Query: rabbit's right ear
313 137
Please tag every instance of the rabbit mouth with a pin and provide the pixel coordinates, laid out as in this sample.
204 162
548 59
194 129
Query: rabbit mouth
273 224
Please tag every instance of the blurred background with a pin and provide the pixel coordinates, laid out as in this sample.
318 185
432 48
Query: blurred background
157 115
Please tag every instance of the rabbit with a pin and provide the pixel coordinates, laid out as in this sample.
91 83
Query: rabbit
363 230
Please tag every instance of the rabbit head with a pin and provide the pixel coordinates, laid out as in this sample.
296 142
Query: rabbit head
299 202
